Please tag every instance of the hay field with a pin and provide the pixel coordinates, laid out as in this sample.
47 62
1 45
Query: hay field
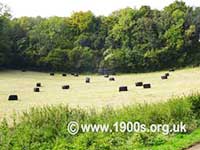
100 92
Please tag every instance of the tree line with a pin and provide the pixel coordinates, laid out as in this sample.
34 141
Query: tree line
128 40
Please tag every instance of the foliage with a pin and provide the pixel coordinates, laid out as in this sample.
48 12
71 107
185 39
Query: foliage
128 40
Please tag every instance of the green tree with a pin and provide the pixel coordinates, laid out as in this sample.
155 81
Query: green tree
81 59
5 43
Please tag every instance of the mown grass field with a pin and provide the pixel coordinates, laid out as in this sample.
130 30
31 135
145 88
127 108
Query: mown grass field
100 92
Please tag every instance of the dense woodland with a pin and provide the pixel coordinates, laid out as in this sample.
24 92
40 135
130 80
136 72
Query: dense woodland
128 40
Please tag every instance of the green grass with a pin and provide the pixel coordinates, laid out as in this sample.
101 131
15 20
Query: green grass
43 116
180 141
45 128
98 94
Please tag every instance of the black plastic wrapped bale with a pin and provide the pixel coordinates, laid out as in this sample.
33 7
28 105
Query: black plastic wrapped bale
23 70
112 79
139 84
36 89
123 88
171 70
13 98
106 76
87 80
76 74
164 77
64 74
147 86
38 84
65 87
51 74
167 74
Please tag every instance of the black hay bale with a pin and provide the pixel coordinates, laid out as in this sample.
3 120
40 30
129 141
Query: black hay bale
23 70
38 85
106 76
36 89
171 70
167 74
147 86
111 79
65 87
76 74
51 74
123 88
64 74
164 77
139 84
87 80
13 98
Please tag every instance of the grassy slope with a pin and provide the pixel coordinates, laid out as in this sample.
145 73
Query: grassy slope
46 128
180 141
99 93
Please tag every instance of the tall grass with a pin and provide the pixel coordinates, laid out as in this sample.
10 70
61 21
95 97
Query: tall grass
46 128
